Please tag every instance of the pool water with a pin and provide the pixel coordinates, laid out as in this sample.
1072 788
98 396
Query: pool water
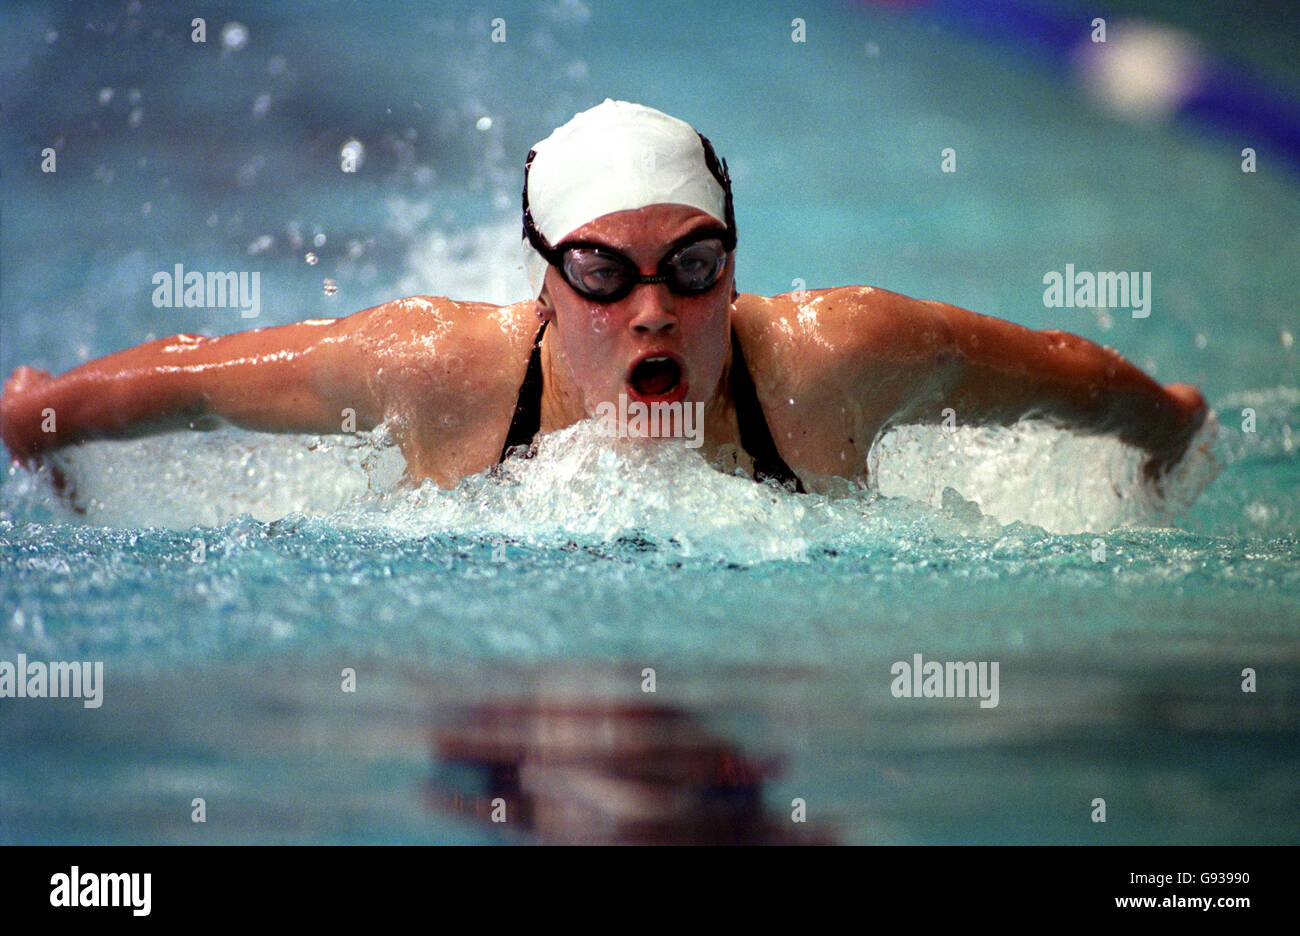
500 637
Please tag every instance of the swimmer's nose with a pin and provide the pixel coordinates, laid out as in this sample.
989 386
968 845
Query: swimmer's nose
652 304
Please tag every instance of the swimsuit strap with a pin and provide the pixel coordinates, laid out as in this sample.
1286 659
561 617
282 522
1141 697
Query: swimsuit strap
755 436
528 408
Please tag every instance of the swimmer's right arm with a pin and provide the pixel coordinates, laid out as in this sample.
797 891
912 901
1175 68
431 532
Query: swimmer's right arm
290 378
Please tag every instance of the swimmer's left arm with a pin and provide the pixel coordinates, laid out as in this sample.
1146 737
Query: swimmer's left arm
1009 372
990 371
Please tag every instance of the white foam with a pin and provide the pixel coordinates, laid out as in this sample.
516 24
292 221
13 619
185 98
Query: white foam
1034 473
583 486
186 479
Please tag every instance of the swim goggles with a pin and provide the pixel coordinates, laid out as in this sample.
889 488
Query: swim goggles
691 266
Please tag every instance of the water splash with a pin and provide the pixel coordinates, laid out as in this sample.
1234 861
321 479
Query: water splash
582 487
1061 481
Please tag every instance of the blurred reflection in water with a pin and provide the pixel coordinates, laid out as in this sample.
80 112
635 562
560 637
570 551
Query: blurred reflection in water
572 763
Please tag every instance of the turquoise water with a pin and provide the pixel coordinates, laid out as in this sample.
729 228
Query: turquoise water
226 580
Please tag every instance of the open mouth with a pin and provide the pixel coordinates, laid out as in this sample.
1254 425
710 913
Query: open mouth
657 377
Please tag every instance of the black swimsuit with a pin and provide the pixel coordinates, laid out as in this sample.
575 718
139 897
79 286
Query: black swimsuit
755 437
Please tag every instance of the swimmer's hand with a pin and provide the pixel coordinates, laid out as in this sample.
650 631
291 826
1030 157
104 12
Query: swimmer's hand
20 419
24 424
1188 415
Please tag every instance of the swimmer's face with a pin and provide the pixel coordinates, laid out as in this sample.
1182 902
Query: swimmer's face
610 348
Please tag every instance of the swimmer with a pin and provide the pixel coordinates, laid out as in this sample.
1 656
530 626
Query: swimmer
629 245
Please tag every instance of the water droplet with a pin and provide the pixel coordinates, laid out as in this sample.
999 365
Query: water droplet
234 36
484 123
331 287
310 258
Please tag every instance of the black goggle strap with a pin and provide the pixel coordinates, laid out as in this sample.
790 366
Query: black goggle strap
718 168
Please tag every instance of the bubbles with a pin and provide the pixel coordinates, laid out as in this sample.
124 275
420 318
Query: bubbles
311 258
570 12
1260 514
483 123
105 96
261 104
261 245
136 117
234 36
1286 338
351 155
331 287
319 239
1201 341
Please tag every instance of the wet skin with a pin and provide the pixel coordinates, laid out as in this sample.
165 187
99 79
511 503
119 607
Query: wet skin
833 369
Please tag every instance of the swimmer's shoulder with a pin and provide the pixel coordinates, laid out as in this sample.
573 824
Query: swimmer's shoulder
439 353
444 335
820 327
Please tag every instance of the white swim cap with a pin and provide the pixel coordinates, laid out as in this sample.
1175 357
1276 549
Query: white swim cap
616 156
